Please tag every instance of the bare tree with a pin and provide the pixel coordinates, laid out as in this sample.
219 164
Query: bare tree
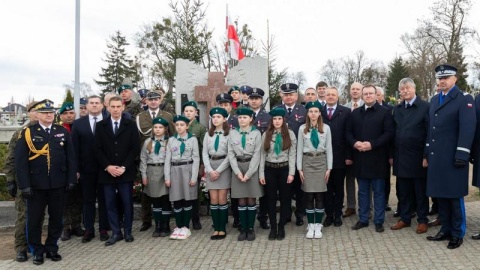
332 73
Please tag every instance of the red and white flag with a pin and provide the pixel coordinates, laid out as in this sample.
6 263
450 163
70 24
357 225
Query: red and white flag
235 48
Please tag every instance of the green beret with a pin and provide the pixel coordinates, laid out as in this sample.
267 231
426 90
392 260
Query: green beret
313 104
234 88
123 87
218 110
278 111
189 103
161 121
66 106
244 111
177 118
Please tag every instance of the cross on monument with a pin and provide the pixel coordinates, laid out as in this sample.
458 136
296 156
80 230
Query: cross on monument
208 93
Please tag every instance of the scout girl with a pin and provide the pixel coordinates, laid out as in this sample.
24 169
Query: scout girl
314 162
152 160
181 170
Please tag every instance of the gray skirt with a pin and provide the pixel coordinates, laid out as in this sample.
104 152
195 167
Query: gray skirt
156 182
179 188
250 189
314 169
223 181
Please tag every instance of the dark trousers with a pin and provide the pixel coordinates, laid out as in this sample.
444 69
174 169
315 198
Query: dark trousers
125 192
335 193
146 208
452 215
388 183
412 197
299 196
262 208
55 200
365 185
234 208
276 182
196 204
92 192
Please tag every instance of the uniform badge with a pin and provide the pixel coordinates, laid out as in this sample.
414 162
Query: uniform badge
469 105
61 143
38 129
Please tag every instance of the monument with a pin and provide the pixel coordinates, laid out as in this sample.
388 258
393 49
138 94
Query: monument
195 83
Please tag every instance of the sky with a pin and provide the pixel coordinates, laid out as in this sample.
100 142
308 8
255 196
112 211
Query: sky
37 48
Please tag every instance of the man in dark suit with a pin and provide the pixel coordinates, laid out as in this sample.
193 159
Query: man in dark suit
87 173
45 169
450 137
369 132
411 127
336 117
295 118
117 144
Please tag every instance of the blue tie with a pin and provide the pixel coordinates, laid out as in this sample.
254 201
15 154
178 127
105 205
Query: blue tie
115 130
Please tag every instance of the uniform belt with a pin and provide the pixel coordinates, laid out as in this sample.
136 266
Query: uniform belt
155 164
313 154
217 157
182 163
244 159
276 165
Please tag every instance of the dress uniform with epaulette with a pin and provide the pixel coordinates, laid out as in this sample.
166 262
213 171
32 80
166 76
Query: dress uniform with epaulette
450 137
45 168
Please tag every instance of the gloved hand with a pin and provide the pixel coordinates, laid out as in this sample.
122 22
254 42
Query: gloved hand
26 193
12 188
459 163
70 187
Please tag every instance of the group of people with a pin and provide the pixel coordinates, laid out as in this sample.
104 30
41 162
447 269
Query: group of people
310 153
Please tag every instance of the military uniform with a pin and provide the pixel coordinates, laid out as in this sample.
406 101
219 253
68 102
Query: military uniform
133 108
45 166
261 120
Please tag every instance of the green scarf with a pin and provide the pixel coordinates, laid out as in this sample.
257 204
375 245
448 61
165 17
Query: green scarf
277 147
217 140
182 145
314 137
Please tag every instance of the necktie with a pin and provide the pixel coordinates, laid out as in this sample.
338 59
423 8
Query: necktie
115 130
182 146
244 138
157 146
323 103
408 105
355 105
330 113
47 130
314 138
277 147
441 98
153 115
289 111
94 124
217 140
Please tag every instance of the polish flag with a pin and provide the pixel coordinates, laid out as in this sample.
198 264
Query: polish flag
235 48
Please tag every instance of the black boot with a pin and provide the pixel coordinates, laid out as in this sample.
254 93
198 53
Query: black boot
166 228
281 233
242 236
158 229
251 235
273 232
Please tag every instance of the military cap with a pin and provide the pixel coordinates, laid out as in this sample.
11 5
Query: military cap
245 88
189 103
124 87
244 111
83 102
278 111
45 105
289 88
313 104
31 105
66 106
143 93
161 121
177 118
255 92
218 110
153 95
234 88
445 70
224 98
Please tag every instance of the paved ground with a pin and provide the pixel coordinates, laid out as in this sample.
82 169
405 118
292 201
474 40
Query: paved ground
340 248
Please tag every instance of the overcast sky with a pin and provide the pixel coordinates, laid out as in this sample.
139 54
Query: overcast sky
38 37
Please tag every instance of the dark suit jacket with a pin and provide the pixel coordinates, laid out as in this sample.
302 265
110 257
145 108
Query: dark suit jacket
83 142
411 128
296 118
119 149
375 126
476 146
338 127
34 173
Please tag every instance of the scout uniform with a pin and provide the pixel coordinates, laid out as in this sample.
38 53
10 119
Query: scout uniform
182 162
276 165
244 157
215 158
45 167
152 160
314 158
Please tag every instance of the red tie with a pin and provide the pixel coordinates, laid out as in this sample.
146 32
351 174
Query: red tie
330 113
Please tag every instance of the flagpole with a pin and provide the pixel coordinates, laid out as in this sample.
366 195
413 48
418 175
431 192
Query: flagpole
226 42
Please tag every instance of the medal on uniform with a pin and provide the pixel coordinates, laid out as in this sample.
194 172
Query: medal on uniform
296 117
259 123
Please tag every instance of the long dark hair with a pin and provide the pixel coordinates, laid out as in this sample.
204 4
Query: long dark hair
166 135
225 127
308 124
286 140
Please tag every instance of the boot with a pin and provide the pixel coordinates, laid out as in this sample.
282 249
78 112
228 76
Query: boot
281 233
242 236
158 229
318 231
166 226
273 232
311 231
250 235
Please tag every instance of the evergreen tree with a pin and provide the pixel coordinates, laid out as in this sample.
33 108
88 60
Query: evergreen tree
68 96
398 71
119 65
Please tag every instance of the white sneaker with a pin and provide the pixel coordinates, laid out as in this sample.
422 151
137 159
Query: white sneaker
318 231
184 233
174 234
311 229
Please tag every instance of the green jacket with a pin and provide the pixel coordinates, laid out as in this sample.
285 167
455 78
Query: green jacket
9 168
198 130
